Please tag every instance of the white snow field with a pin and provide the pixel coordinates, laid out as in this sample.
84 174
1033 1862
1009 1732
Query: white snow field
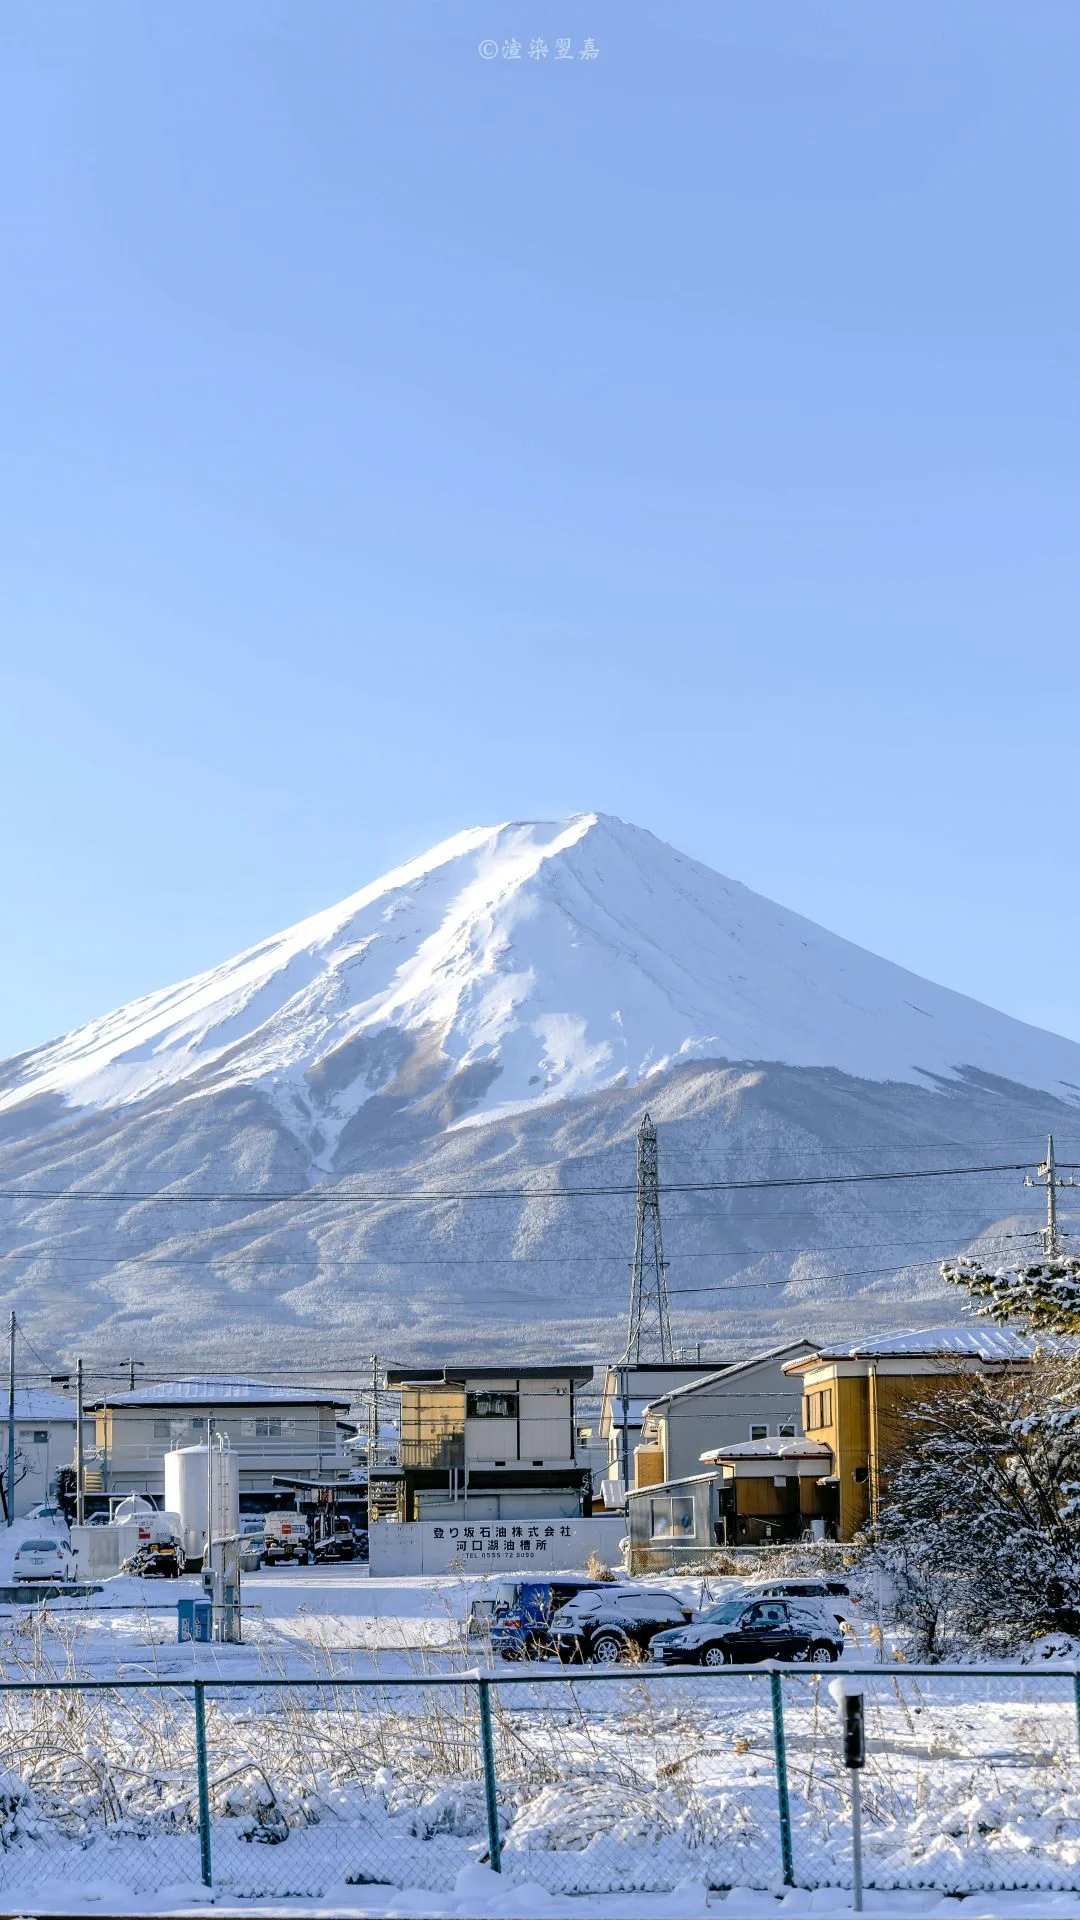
496 1015
633 1794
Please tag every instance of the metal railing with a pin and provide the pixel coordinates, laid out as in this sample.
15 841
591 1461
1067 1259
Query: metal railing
581 1780
447 1451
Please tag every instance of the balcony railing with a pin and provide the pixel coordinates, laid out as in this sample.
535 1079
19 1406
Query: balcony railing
447 1451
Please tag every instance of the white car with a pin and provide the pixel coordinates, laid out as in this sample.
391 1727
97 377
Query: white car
48 1510
44 1560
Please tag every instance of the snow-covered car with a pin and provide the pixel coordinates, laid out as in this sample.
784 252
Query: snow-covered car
837 1593
608 1623
48 1511
738 1632
44 1559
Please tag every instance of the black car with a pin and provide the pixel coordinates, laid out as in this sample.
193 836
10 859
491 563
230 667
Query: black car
739 1631
610 1623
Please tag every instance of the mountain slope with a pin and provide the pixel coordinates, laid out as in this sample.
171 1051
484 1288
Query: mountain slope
495 1015
534 963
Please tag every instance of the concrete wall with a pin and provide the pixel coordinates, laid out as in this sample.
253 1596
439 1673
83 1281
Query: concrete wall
480 1546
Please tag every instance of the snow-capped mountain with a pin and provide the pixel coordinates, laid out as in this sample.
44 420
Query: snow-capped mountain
543 961
486 1014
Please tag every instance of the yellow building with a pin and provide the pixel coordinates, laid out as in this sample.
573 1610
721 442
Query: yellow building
857 1401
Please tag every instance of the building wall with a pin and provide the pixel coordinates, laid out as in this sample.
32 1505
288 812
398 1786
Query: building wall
722 1414
869 1423
283 1439
442 1426
42 1446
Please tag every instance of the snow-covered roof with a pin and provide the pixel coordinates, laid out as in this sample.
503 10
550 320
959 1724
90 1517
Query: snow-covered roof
33 1403
976 1342
215 1390
736 1367
771 1449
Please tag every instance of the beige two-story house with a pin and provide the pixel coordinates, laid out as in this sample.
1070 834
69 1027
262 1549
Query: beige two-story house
276 1433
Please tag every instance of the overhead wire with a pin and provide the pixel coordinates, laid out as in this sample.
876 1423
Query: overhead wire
314 1196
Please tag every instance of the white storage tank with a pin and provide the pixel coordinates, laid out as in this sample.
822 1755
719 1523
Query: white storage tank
189 1485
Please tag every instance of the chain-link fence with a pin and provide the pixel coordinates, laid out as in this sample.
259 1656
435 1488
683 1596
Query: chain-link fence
578 1781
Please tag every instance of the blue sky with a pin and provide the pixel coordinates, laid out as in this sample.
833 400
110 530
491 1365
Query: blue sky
396 439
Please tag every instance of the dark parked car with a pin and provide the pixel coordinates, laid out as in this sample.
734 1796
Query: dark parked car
522 1611
612 1623
740 1631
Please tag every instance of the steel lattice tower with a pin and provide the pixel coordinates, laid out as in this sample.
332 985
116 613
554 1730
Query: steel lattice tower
650 1325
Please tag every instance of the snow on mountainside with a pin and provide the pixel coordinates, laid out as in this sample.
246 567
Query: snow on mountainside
541 962
496 1015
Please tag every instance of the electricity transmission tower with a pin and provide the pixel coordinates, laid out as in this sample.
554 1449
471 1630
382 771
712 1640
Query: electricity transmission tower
648 1334
1048 1176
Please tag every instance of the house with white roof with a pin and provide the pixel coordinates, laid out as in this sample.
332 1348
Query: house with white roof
278 1433
44 1441
820 1471
745 1400
858 1398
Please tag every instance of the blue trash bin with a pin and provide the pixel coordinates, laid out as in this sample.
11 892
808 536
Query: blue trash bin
194 1619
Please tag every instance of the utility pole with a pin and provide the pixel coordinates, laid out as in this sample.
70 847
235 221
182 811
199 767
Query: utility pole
80 1452
373 1417
131 1366
649 1323
10 1503
1047 1176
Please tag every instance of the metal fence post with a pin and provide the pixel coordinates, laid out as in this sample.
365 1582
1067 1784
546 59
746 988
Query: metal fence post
487 1749
204 1785
1076 1697
780 1749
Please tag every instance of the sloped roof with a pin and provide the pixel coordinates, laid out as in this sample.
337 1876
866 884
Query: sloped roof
770 1449
215 1390
975 1341
33 1403
752 1360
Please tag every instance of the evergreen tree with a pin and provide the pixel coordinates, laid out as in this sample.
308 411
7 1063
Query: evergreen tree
1043 1293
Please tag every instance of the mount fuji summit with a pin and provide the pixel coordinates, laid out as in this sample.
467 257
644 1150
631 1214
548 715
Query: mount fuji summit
491 1019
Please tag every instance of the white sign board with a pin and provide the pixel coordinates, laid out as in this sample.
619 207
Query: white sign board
492 1546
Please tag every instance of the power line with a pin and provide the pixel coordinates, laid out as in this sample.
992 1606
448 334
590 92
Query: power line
380 1196
247 1262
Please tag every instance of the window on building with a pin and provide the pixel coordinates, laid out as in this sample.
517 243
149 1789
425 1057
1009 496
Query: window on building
671 1517
819 1408
786 1429
163 1429
491 1406
265 1426
38 1436
759 1431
